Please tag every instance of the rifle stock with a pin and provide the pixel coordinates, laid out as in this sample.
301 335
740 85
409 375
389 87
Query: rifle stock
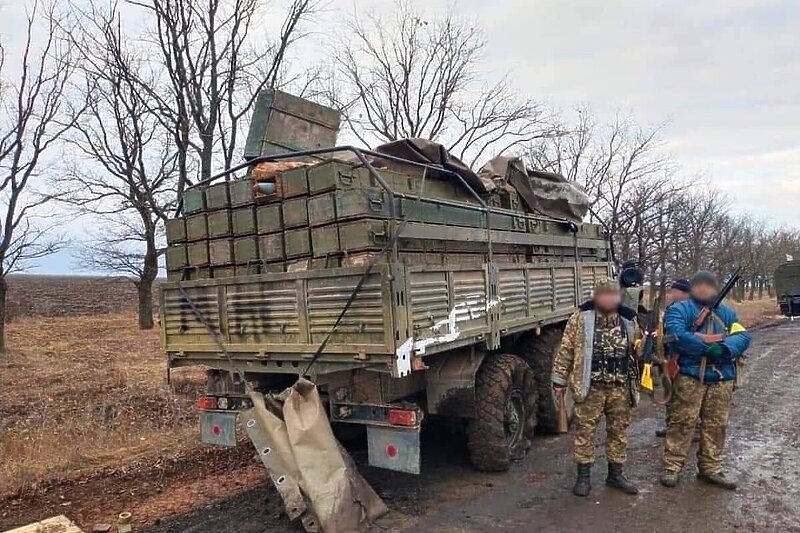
563 418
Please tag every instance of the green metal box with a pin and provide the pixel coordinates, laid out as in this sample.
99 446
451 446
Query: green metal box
245 249
295 212
241 192
243 220
271 247
297 242
194 201
176 230
219 224
217 196
176 257
268 218
198 253
196 227
220 252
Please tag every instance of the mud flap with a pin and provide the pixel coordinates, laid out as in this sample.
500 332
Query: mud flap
394 448
314 475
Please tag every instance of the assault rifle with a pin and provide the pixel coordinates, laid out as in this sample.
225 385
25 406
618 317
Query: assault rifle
706 311
653 354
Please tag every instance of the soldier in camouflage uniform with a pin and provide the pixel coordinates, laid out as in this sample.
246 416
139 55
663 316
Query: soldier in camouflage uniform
593 361
708 360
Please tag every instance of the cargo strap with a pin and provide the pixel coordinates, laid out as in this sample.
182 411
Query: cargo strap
213 334
367 270
350 299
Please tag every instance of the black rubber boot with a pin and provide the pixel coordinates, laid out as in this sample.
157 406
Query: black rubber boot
583 483
719 480
669 478
616 478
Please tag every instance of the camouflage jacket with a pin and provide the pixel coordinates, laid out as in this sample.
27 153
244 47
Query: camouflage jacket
572 365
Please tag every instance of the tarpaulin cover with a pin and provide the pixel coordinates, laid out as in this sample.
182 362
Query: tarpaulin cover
310 456
430 153
546 192
543 192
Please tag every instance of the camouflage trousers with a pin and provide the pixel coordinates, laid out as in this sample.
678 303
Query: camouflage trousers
613 402
693 400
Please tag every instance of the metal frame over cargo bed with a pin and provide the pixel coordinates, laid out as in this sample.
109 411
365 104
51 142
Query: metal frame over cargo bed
275 322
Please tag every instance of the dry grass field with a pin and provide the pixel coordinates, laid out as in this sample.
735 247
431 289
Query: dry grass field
86 394
84 397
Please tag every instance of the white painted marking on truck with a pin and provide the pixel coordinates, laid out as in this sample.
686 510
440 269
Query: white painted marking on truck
472 307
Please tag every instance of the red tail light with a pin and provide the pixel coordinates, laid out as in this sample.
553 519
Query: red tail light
401 417
207 402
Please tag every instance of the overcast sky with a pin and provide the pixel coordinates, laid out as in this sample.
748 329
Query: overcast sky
725 74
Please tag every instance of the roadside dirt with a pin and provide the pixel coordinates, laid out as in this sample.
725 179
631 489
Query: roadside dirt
535 494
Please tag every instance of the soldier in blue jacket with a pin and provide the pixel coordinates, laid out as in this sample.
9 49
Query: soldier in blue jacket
697 393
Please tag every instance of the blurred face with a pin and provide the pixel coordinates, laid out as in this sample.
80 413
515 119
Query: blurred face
607 301
675 295
704 292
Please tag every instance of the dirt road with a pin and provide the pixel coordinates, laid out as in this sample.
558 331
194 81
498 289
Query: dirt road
763 454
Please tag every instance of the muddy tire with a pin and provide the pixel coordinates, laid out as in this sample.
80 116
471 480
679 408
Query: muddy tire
505 413
538 351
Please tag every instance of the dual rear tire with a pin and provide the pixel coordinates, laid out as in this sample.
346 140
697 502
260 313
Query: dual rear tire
513 400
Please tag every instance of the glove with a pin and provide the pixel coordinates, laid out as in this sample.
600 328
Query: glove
716 351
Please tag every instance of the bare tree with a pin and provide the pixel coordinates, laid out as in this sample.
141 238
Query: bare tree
412 77
214 69
123 174
34 115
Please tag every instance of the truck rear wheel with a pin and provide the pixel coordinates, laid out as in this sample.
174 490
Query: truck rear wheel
505 413
538 351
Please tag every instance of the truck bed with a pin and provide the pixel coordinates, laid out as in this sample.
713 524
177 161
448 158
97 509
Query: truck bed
275 322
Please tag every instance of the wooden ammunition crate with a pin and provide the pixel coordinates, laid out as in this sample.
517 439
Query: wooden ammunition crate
281 120
227 271
241 192
176 230
197 253
295 212
333 175
196 227
220 252
194 200
197 273
245 249
270 247
218 197
243 221
371 202
347 204
505 199
297 242
219 224
358 235
268 218
294 182
176 257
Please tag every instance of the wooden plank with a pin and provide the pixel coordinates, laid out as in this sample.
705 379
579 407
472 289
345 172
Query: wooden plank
56 524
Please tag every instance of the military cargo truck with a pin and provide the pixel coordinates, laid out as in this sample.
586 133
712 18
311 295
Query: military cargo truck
393 284
787 288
